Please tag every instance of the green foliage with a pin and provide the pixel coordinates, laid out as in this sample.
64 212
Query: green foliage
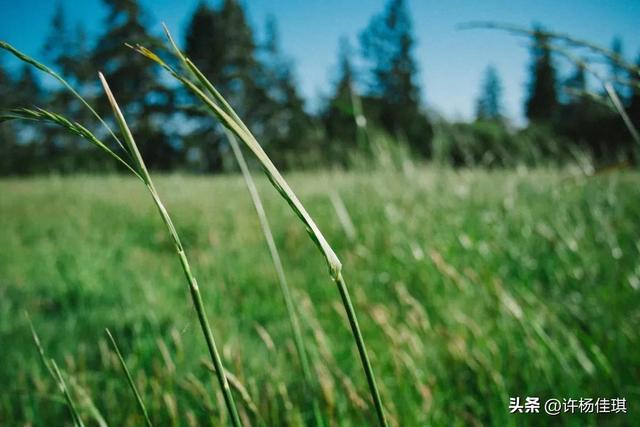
490 143
634 97
616 70
598 124
288 129
256 78
393 99
489 103
542 99
338 115
147 102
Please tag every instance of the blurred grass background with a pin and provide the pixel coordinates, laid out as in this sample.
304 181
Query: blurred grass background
471 286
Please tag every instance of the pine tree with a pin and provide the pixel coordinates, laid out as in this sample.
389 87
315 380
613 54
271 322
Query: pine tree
67 50
130 76
8 139
338 115
587 123
576 85
634 98
387 44
27 90
33 150
221 43
203 42
489 104
82 70
57 46
144 99
616 72
67 53
542 100
287 124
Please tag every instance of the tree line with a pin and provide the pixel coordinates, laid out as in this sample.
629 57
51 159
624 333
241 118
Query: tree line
258 78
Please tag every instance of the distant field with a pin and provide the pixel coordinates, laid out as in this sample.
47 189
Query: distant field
471 287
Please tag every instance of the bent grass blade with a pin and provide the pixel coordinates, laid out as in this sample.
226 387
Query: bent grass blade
227 116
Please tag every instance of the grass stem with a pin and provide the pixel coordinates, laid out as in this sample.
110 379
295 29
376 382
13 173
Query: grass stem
134 389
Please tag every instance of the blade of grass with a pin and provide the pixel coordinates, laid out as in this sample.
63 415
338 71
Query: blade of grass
41 115
143 174
134 389
223 111
40 66
226 116
54 371
568 39
191 280
617 103
282 279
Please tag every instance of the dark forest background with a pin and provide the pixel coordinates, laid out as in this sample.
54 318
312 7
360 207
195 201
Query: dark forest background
566 117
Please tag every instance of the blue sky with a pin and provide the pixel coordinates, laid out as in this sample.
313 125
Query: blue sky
451 61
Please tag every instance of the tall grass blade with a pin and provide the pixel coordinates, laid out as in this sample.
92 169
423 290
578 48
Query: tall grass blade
41 115
134 389
143 174
193 284
225 113
568 39
294 321
617 103
55 373
63 387
40 66
229 119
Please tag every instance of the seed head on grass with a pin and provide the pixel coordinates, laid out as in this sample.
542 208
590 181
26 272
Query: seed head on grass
42 67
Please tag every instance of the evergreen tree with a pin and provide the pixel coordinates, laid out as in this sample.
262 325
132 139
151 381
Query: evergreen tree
27 90
221 43
489 104
130 76
32 149
634 97
616 72
203 42
587 123
67 50
338 115
287 125
81 69
8 140
576 85
542 99
144 100
68 54
387 44
57 49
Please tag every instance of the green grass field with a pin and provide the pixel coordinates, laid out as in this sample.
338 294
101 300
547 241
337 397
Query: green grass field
471 287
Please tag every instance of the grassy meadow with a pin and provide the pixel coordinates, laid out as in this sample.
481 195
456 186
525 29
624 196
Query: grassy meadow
471 287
